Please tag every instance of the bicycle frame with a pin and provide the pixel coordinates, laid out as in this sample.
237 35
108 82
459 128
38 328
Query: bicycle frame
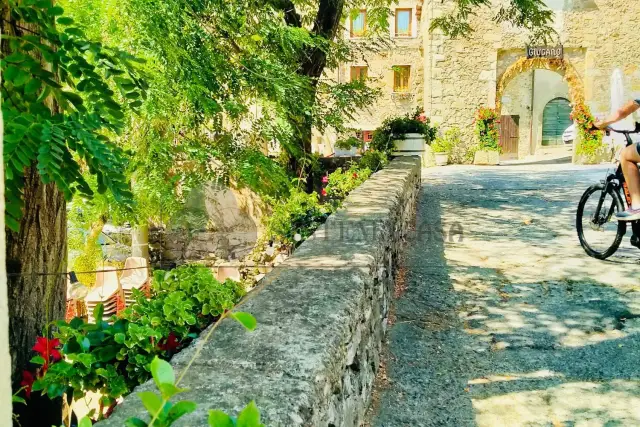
616 182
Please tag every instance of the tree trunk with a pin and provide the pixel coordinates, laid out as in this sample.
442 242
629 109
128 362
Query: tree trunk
39 247
35 300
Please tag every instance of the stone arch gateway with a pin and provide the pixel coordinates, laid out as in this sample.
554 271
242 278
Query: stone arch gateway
561 66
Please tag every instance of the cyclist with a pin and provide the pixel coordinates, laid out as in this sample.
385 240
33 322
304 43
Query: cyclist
629 160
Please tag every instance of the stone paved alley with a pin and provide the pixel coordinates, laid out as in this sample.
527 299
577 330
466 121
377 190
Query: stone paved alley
514 325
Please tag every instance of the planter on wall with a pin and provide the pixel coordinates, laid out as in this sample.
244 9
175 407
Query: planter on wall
486 158
442 159
413 144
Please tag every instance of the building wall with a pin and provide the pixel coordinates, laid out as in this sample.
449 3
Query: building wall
400 51
461 75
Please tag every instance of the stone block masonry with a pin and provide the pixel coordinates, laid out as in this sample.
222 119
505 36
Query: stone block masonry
321 315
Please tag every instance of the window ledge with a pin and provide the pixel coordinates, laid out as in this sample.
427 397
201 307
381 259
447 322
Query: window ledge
402 96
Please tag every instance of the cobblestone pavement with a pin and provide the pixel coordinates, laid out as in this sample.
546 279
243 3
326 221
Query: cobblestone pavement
511 324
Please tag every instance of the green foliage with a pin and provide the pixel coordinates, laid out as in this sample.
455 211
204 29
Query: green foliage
113 358
487 130
300 213
342 182
163 412
452 144
531 15
589 137
373 160
92 87
394 128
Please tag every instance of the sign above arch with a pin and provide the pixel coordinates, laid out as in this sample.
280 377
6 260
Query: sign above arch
556 52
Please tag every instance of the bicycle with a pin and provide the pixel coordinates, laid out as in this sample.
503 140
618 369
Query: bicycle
609 201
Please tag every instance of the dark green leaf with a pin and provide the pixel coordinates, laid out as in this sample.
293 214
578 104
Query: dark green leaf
16 57
75 99
64 20
33 86
56 11
10 73
180 409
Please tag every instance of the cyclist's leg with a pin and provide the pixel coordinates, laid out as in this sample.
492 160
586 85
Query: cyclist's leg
629 160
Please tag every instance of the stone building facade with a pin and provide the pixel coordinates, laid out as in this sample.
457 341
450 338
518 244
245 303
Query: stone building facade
456 76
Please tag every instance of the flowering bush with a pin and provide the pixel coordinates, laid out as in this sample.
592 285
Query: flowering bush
340 183
396 128
113 358
487 129
590 138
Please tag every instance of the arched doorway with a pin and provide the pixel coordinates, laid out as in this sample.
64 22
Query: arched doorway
546 79
555 120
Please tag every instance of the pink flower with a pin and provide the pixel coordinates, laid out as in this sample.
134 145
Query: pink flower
325 179
422 118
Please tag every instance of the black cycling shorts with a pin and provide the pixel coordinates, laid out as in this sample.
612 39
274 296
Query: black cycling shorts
638 148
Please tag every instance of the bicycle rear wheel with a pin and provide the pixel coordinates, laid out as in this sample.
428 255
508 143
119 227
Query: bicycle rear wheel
599 232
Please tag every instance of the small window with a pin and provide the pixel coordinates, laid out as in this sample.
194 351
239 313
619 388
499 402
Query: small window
403 22
358 73
367 136
359 23
401 75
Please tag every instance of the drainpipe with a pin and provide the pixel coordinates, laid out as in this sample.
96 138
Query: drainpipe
532 143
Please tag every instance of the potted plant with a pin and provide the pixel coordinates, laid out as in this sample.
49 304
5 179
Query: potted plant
488 136
441 148
406 135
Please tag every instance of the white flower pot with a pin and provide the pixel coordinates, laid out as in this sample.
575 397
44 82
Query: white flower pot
441 159
413 144
486 158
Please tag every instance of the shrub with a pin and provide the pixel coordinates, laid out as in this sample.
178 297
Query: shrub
342 182
487 131
373 160
452 144
114 358
300 213
396 128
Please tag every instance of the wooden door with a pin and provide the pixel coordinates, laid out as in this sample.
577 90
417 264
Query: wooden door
509 135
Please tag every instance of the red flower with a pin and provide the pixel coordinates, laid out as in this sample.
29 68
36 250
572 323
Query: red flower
355 175
325 179
323 192
47 349
171 343
27 382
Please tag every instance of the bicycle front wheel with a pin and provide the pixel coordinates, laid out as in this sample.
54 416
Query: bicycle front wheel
599 232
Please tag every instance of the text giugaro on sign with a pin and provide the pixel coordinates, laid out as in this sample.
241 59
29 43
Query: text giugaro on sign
545 52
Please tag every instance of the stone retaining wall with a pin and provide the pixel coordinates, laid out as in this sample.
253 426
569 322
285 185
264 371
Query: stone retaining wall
322 315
